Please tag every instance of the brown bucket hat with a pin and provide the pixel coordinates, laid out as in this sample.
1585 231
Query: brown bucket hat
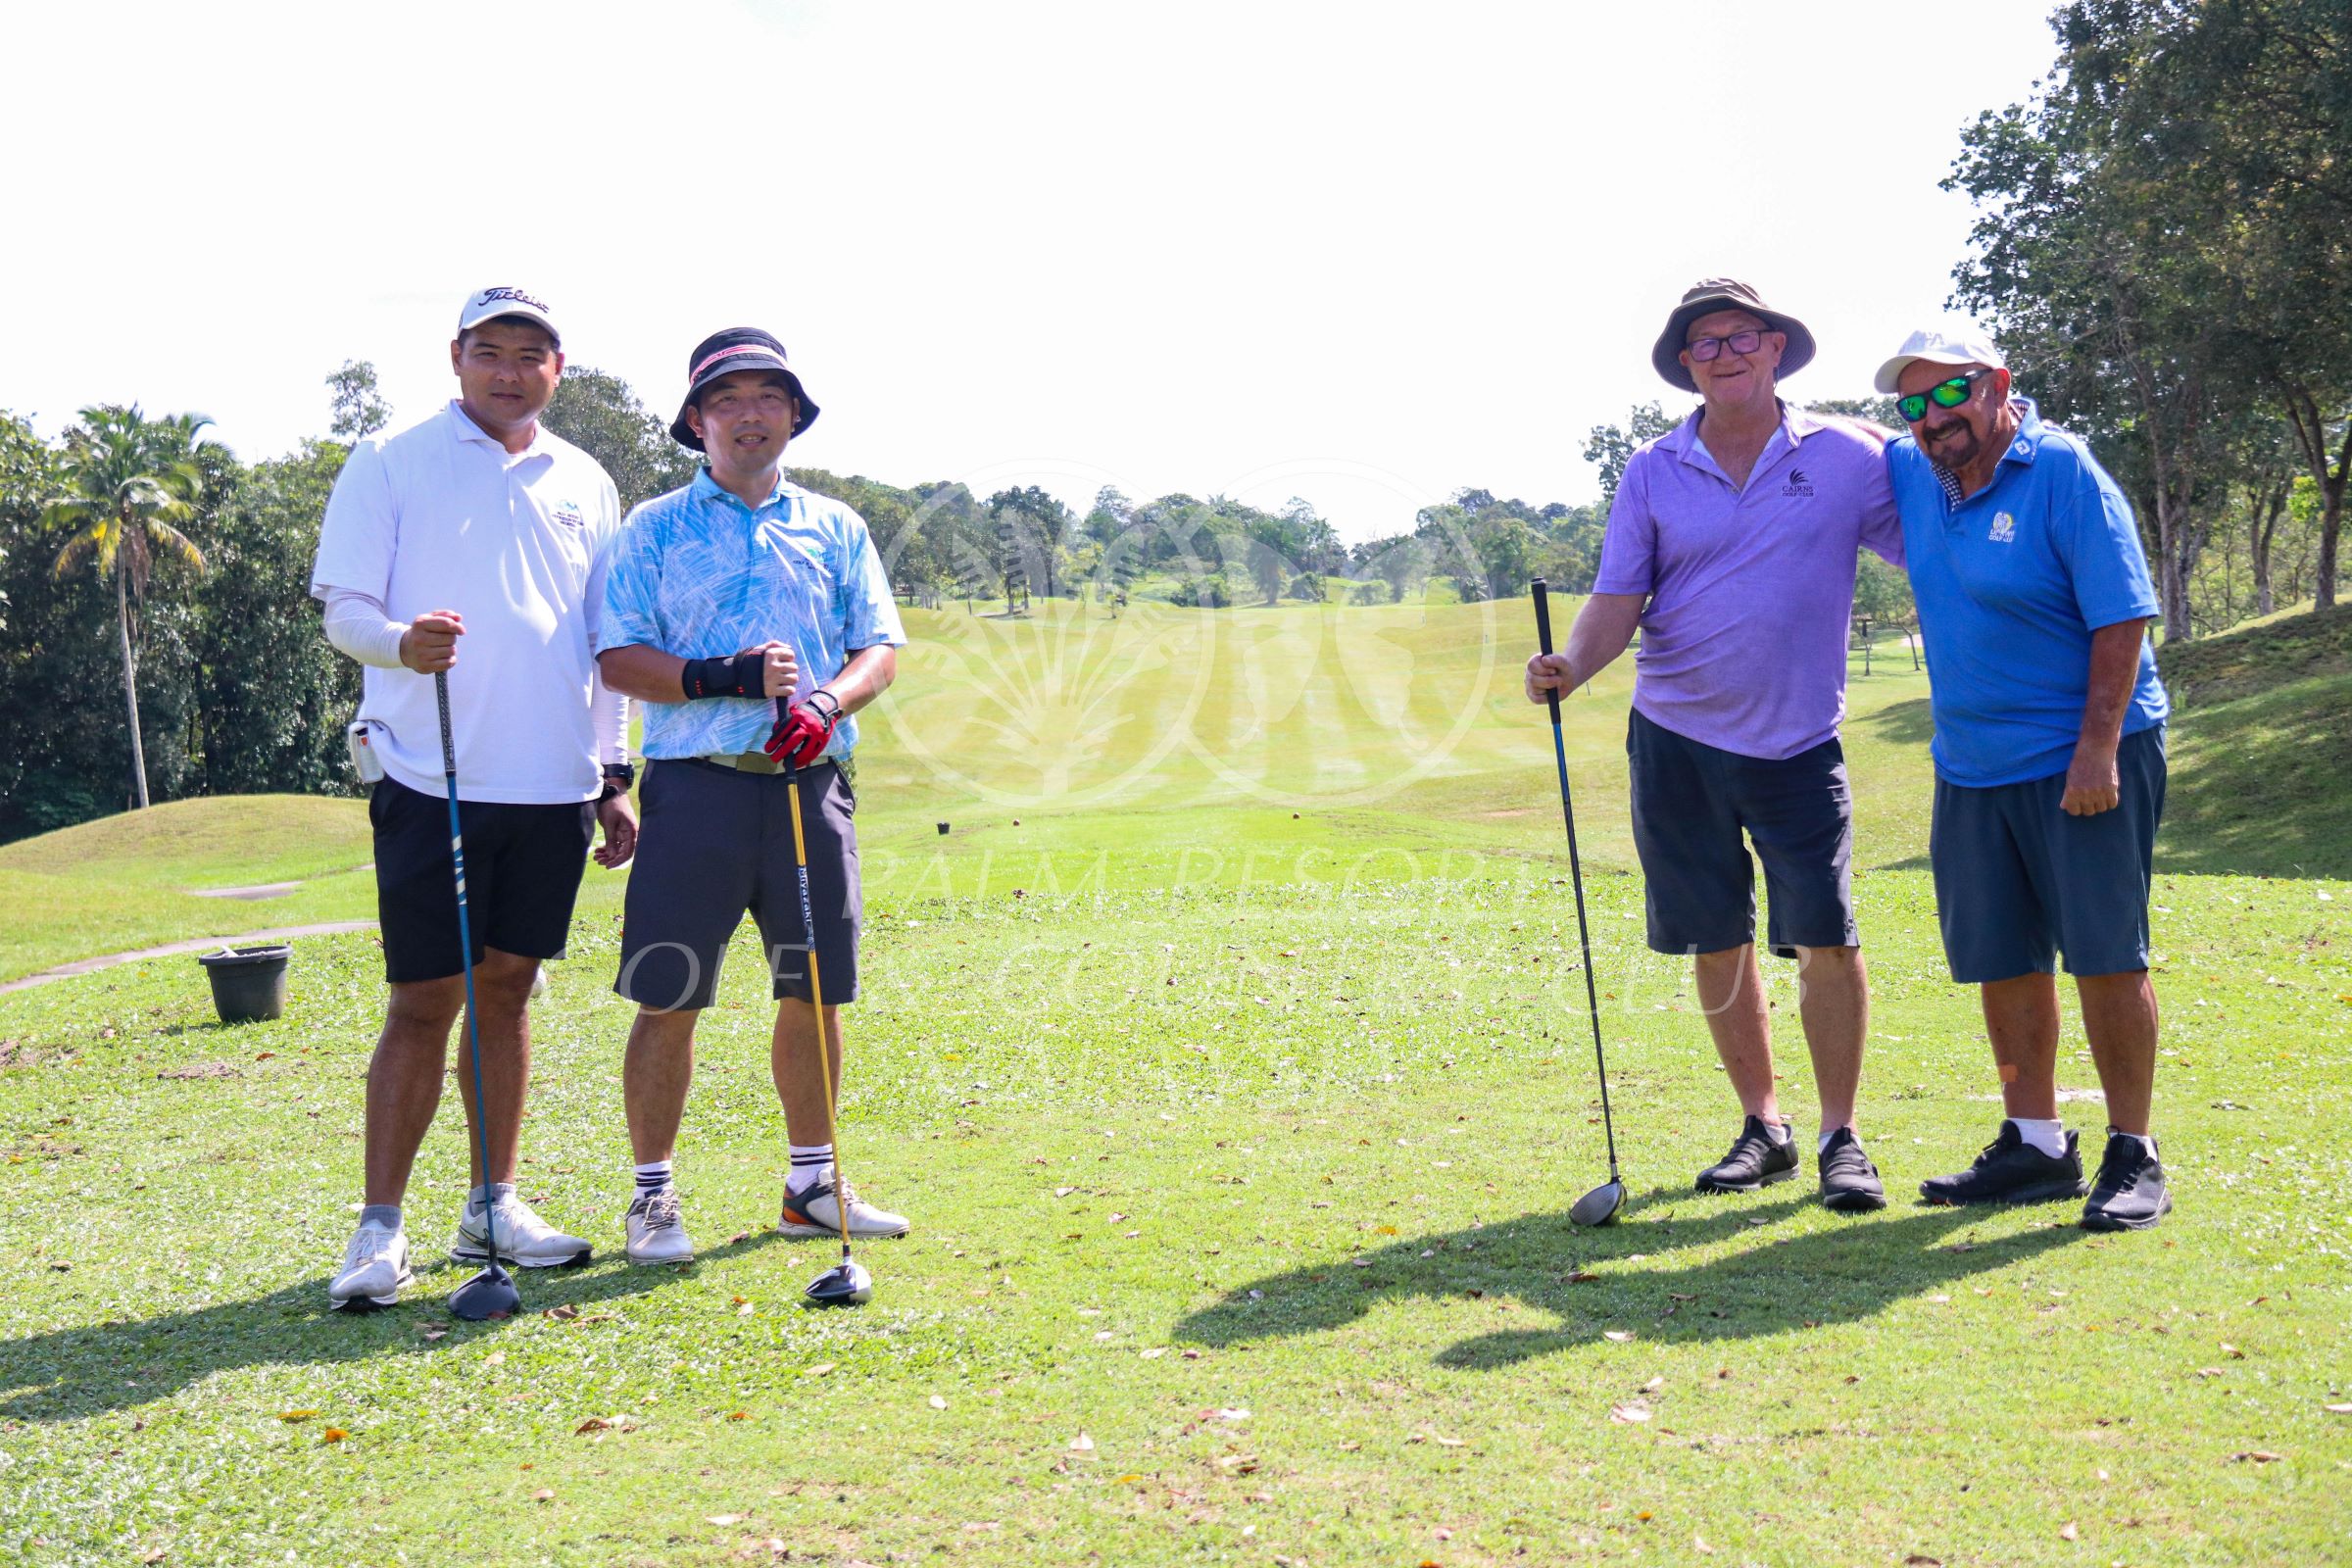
1713 294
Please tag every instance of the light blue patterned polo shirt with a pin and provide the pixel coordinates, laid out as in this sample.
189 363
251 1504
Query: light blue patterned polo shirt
699 574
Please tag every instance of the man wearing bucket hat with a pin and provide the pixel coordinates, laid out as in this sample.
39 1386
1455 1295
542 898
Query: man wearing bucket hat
475 544
1731 546
2034 602
754 618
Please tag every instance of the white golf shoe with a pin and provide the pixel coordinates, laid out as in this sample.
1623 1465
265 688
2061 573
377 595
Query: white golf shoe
524 1239
656 1232
376 1265
815 1210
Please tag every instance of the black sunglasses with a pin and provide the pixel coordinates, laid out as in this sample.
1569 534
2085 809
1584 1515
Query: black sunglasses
1943 394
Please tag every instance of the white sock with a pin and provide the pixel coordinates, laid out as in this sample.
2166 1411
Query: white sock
386 1216
479 1198
653 1176
1776 1131
1823 1146
811 1164
2049 1137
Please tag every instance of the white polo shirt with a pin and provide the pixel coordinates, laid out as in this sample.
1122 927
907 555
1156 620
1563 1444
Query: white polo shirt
442 516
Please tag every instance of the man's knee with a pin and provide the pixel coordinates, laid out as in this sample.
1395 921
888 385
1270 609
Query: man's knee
424 1006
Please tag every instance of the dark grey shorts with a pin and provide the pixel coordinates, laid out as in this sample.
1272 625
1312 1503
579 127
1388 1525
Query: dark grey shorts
2019 881
1692 802
715 842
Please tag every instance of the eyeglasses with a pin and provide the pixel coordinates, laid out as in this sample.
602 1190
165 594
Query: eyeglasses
1943 394
1744 341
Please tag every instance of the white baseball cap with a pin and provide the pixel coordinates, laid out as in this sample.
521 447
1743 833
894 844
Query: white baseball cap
1963 344
488 303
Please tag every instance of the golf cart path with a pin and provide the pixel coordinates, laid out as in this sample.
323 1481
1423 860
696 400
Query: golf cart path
66 971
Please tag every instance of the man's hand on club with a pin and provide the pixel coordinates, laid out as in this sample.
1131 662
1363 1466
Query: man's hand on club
430 644
1548 673
616 814
2092 784
803 733
782 671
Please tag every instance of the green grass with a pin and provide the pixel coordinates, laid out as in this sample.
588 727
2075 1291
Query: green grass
1201 1107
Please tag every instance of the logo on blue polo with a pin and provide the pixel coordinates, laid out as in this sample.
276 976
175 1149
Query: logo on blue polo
1801 484
2004 528
569 514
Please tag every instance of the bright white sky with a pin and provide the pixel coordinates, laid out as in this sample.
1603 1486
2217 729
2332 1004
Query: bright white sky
1367 255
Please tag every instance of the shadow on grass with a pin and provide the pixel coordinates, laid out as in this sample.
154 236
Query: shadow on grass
1620 1277
69 1374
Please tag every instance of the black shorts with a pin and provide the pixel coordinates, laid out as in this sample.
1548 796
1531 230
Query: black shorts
2019 881
715 842
522 871
1690 804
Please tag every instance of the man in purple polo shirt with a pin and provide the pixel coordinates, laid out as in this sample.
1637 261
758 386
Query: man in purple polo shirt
1731 547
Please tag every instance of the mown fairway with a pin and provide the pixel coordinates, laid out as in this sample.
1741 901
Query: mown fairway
1229 1054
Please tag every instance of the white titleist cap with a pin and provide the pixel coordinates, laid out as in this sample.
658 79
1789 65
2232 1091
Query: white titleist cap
1951 345
488 303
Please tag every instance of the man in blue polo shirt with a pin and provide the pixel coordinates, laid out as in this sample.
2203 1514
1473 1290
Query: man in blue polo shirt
752 618
2034 599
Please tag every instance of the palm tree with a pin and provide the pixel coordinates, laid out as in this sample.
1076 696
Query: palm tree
131 479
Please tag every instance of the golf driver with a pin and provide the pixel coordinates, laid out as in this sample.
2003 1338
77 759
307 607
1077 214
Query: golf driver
1599 1205
845 1283
491 1293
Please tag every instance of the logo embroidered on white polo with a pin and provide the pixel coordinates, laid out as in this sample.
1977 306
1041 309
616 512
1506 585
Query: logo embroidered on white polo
2004 528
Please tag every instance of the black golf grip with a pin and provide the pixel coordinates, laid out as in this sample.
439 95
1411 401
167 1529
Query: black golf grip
1543 597
449 750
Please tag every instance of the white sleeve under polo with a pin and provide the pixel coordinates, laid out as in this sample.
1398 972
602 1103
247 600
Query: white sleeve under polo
441 517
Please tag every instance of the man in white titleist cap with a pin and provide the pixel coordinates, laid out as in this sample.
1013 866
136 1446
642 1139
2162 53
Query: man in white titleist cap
476 528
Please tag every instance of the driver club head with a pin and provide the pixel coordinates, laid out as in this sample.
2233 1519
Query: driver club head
1599 1205
845 1284
491 1294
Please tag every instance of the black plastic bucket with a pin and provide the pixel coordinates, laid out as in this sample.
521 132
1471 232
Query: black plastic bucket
249 985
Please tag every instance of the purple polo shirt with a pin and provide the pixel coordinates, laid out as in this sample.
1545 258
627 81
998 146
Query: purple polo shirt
1750 590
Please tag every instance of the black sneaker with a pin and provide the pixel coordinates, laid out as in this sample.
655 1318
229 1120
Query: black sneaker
1850 1182
2011 1170
2131 1194
1754 1160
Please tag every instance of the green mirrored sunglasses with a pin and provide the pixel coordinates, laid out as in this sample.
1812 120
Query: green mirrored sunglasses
1944 394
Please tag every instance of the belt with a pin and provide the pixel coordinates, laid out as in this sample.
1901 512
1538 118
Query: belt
747 762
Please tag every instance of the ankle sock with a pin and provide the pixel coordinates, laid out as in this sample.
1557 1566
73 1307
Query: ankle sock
479 1197
653 1176
386 1216
2048 1137
811 1163
1776 1131
1823 1146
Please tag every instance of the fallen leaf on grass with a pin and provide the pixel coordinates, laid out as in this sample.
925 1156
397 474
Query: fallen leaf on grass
1082 1444
2338 1409
1240 1464
1453 1442
739 1415
1349 1446
606 1423
2068 1532
562 1314
1920 1559
938 1403
1616 1336
722 1518
1233 1412
153 1555
819 1370
1630 1412
1155 1352
544 1495
495 1358
337 1435
2257 1456
296 1415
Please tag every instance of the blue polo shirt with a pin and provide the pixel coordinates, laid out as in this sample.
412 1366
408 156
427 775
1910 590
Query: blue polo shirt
2010 584
699 574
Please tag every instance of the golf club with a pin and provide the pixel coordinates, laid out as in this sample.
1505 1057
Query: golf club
845 1283
1599 1205
491 1293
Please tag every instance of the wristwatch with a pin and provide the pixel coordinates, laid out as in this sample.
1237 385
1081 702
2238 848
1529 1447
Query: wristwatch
620 779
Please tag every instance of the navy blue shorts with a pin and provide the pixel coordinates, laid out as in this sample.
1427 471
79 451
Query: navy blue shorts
1691 803
716 844
522 872
2018 881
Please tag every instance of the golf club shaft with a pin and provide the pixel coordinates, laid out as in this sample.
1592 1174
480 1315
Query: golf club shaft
816 1002
1576 875
473 1028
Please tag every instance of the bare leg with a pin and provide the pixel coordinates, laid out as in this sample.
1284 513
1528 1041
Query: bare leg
654 1075
502 988
1833 992
2119 1014
2021 1018
1730 992
404 1080
792 1062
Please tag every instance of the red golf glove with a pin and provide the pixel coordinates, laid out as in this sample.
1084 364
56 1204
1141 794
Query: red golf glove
803 733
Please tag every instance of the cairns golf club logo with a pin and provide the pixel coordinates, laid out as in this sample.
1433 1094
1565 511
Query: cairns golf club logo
1081 660
569 514
1799 483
